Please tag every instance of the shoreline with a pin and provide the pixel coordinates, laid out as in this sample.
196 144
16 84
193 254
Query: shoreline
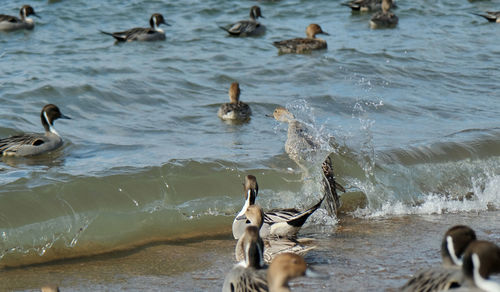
368 254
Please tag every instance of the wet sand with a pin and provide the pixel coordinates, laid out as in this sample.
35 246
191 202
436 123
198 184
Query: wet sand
358 254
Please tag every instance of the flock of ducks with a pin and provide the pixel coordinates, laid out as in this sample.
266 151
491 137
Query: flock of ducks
270 237
467 264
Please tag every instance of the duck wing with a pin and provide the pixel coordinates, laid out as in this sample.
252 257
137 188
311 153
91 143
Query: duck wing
241 27
13 143
130 34
9 18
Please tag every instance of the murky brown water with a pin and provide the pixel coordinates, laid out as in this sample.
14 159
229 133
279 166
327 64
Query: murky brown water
359 255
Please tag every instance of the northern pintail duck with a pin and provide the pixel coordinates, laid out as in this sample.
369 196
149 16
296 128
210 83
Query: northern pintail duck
254 216
481 259
366 5
9 23
247 27
153 33
303 45
277 222
491 16
249 274
454 243
384 18
34 144
285 267
299 143
235 110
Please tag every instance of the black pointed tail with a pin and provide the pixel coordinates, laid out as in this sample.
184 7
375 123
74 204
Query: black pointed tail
331 186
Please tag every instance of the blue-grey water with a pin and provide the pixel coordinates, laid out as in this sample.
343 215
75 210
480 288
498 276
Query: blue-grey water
409 114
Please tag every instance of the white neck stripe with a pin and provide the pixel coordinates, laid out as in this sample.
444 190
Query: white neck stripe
482 283
451 251
51 129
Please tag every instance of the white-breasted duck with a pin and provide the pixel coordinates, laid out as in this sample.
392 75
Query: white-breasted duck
152 33
250 27
10 23
277 222
448 275
34 144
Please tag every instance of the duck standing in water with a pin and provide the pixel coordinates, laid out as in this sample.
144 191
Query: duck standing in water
303 45
10 23
278 222
35 144
249 27
235 110
384 18
254 216
153 33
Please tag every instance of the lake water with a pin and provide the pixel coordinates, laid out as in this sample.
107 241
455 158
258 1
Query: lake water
409 114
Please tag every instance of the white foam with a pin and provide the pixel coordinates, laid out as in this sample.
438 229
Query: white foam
486 196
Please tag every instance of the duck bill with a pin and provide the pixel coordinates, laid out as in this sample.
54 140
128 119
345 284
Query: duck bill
64 117
36 15
242 217
313 274
166 23
325 33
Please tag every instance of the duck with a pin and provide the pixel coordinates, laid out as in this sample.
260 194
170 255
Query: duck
491 16
277 222
11 23
384 18
300 146
153 33
448 275
272 247
366 5
249 27
480 260
235 110
303 45
35 144
285 267
249 274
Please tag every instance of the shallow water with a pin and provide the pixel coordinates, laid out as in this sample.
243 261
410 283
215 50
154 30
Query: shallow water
359 255
410 114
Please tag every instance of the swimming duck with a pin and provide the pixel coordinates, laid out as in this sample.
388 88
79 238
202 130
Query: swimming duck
254 216
453 246
153 33
303 45
278 222
491 16
235 110
34 144
249 274
247 27
366 5
300 143
384 18
9 23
